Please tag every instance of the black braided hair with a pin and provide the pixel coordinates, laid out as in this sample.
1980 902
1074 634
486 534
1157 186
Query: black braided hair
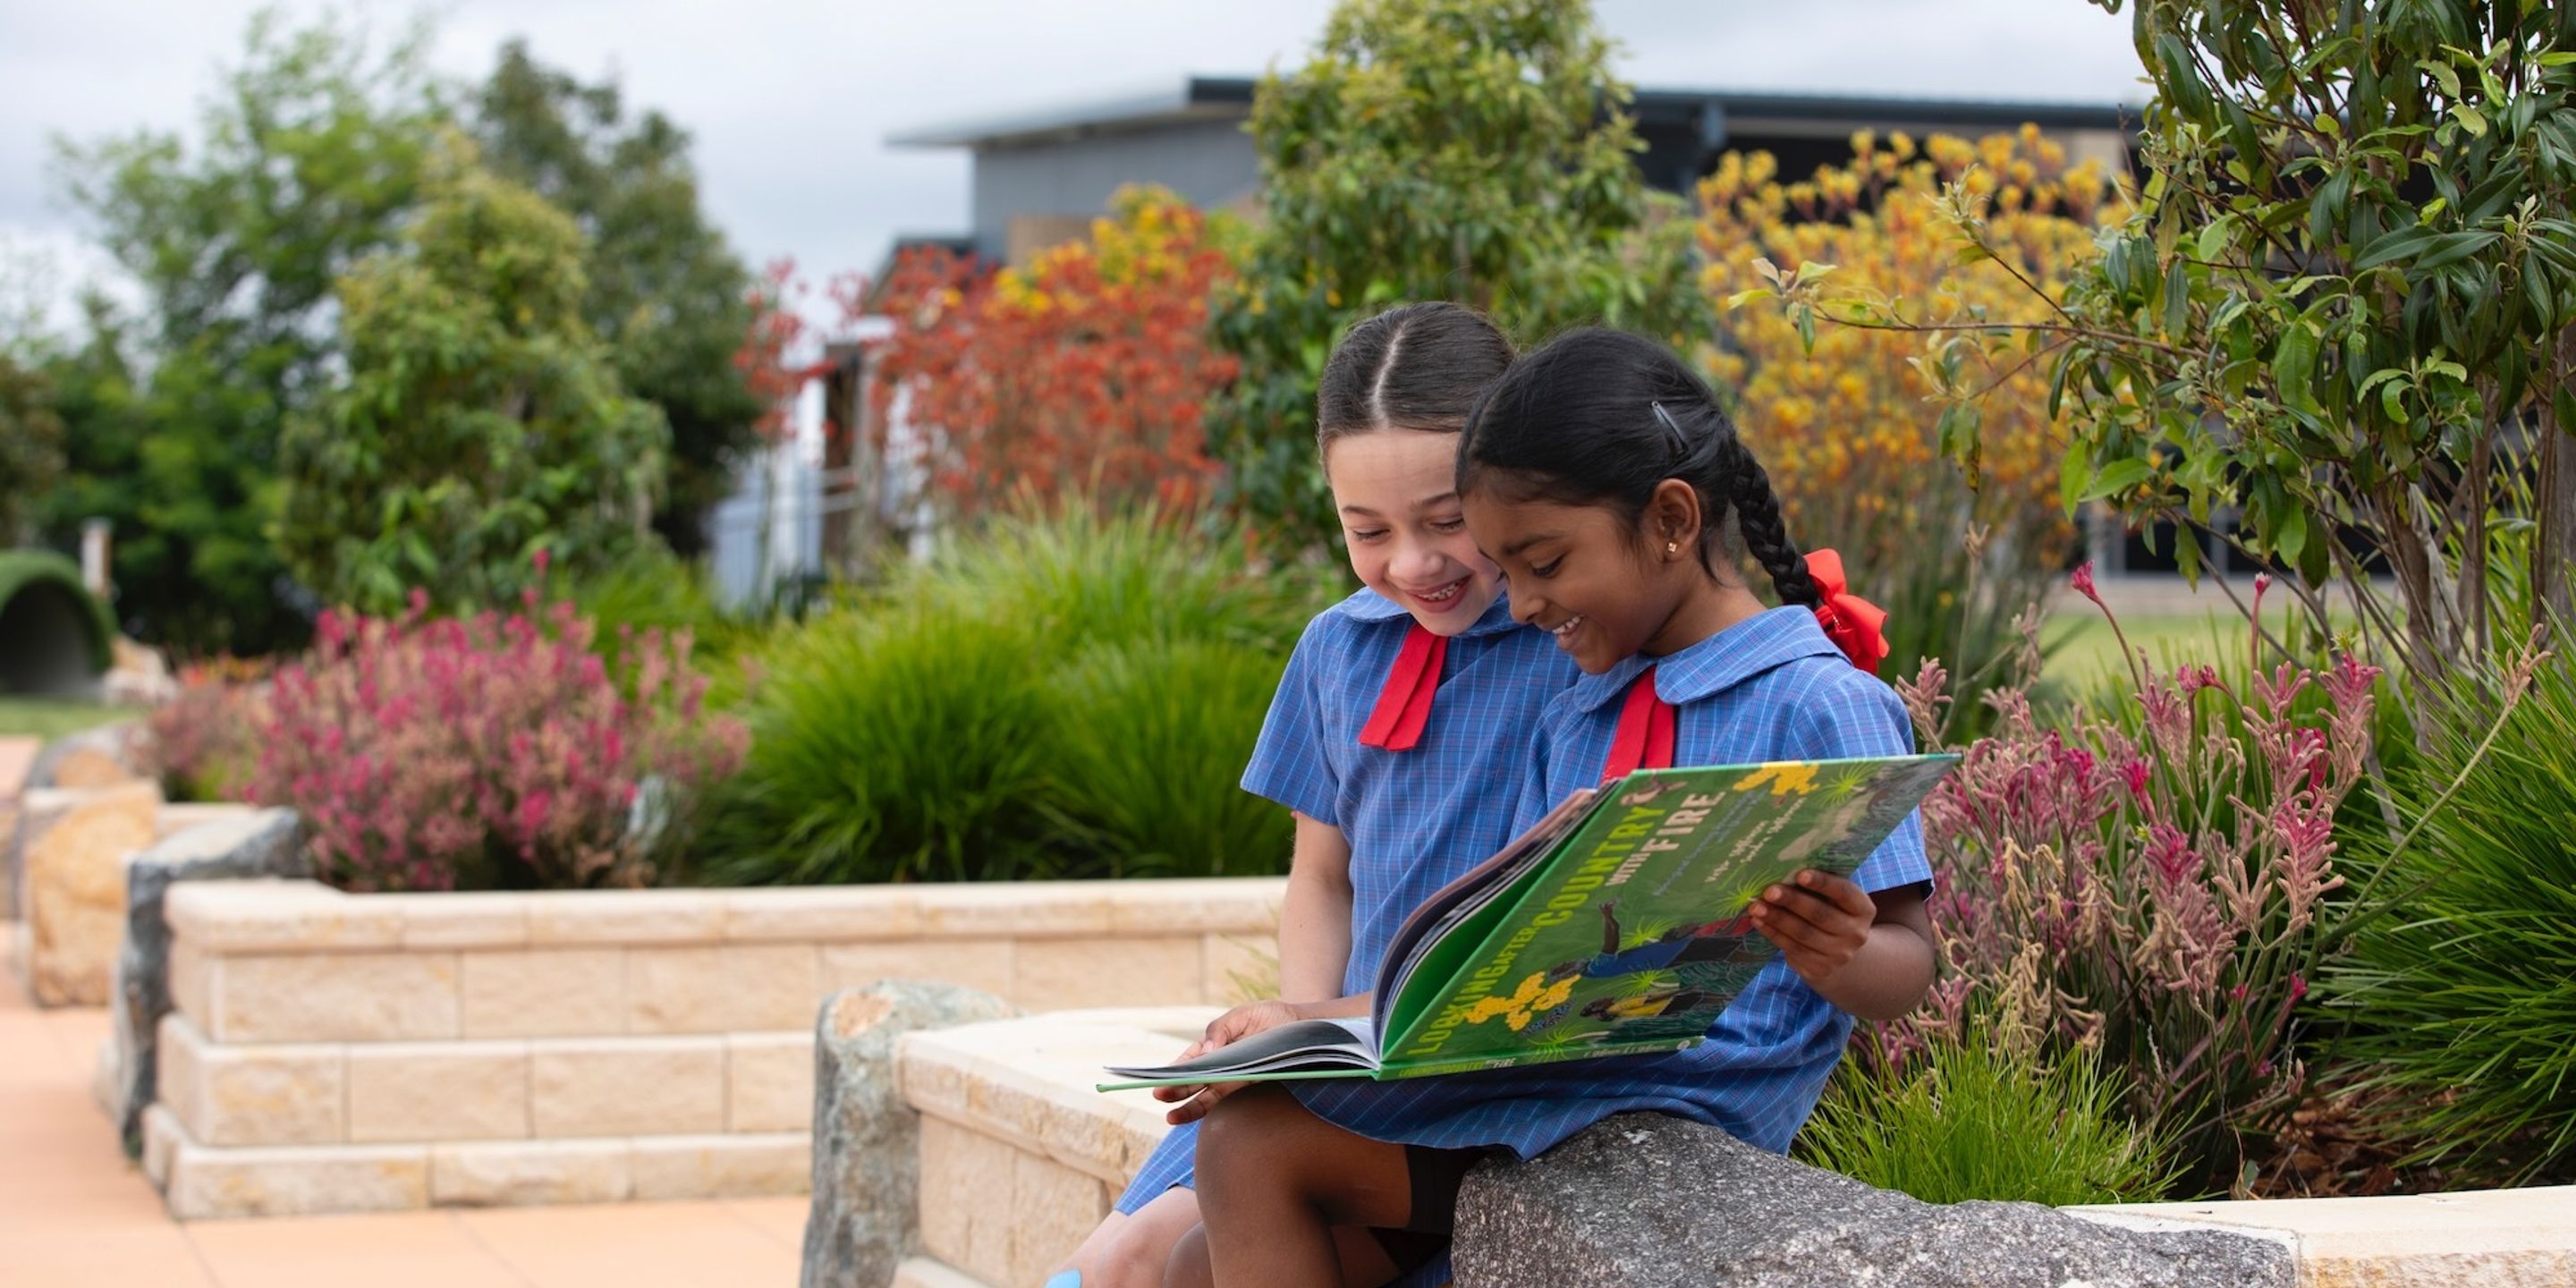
1415 366
1766 535
1600 417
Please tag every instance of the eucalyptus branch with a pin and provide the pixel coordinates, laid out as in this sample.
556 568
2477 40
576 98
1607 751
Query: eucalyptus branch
2207 198
1978 240
2081 332
2017 368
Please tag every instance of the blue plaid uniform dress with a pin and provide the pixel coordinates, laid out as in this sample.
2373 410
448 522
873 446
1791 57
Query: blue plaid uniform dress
1772 688
1415 819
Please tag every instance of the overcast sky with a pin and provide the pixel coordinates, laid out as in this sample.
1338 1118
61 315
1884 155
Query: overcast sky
789 101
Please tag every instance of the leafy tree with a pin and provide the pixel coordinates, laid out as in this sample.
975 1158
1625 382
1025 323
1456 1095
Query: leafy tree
146 448
2342 304
31 448
2355 249
310 155
482 429
1471 150
667 295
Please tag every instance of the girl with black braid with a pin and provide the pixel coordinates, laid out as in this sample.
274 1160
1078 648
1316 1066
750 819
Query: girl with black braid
1601 476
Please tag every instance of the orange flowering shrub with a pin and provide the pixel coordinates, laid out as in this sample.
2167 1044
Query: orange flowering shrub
1085 374
1843 417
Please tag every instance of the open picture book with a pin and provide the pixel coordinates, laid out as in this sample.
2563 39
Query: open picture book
1618 924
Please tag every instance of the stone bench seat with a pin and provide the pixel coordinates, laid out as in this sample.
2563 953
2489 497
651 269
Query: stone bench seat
1018 1157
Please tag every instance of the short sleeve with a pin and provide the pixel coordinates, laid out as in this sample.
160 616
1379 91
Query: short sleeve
1862 717
1288 762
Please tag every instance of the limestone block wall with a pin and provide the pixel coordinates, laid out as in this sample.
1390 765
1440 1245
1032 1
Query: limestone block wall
336 1052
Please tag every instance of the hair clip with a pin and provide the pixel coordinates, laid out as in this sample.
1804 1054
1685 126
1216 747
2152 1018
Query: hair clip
1681 441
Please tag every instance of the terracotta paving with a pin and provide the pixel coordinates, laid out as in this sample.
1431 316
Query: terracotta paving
75 1214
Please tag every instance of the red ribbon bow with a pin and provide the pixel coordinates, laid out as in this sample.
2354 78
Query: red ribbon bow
1645 736
1854 624
1404 705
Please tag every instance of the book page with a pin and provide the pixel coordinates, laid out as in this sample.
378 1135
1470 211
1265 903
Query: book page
1340 1043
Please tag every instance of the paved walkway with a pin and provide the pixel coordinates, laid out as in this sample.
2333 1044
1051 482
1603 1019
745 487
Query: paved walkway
75 1214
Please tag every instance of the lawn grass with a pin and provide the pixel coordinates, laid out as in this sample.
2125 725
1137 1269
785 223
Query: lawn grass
2085 653
51 718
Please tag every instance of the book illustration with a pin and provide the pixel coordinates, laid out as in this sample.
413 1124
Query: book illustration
1782 779
1619 924
1663 1001
1537 995
1733 939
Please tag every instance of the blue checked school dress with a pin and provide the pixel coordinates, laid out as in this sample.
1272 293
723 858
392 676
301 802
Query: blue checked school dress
1770 688
1417 818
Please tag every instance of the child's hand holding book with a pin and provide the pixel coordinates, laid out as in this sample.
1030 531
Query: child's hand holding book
1819 920
1869 954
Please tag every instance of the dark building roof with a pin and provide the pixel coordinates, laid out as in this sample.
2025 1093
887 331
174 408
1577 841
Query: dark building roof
1195 98
1036 170
1713 113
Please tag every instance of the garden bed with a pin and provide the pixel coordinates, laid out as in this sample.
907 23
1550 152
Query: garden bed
338 1052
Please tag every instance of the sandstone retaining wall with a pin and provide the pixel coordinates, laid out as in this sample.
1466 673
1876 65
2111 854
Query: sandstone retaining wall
336 1052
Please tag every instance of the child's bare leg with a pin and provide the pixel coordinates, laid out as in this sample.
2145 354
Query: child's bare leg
1273 1182
1126 1251
1364 1260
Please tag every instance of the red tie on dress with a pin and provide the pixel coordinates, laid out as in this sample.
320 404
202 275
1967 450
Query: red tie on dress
1645 736
1851 622
1404 705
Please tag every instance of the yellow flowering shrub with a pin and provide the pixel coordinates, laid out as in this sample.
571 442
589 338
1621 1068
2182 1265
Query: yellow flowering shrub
1846 424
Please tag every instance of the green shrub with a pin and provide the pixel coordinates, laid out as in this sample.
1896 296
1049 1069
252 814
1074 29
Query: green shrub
1961 604
1147 756
2461 995
1052 696
1969 1122
894 743
651 590
1079 579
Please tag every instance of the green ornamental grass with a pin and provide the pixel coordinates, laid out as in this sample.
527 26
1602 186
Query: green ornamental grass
1147 756
2460 980
899 744
1967 1122
1079 579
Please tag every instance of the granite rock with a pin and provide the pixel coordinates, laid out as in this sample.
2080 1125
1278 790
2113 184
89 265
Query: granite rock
269 843
1646 1200
866 1216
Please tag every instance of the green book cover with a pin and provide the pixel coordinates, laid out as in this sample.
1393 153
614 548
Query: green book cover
1616 926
